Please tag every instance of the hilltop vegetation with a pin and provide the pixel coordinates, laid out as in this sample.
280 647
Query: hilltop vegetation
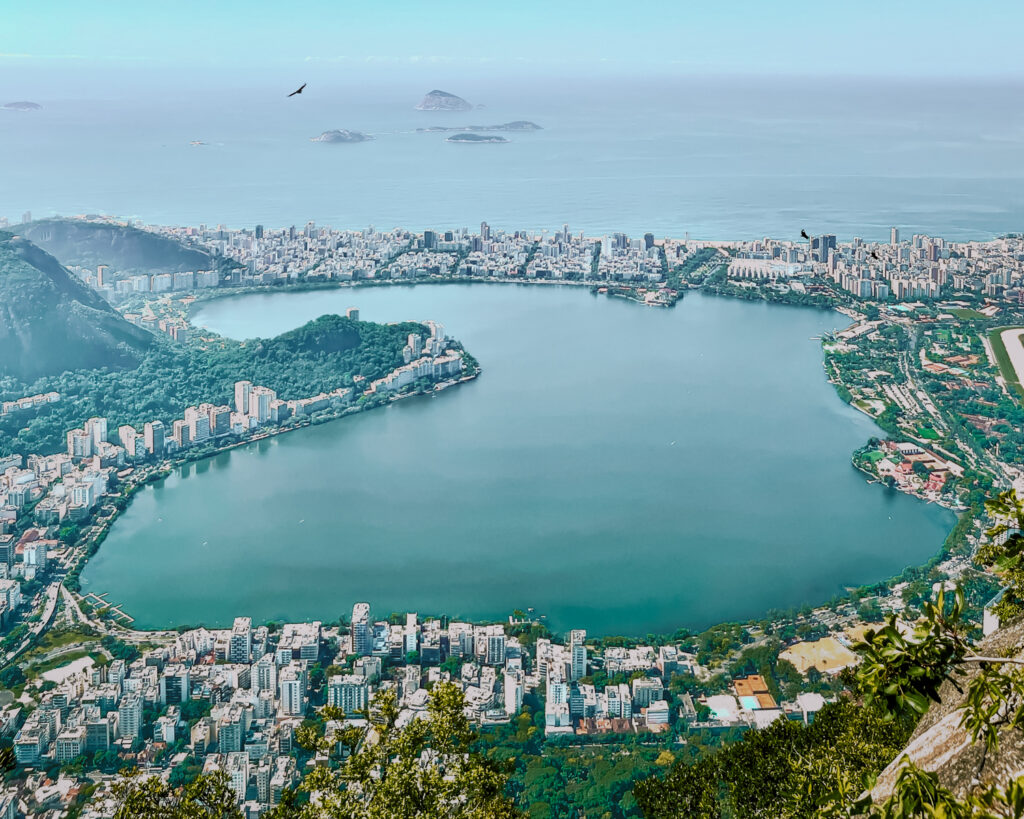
50 322
320 356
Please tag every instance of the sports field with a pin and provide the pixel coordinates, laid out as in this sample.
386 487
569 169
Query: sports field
1008 348
827 655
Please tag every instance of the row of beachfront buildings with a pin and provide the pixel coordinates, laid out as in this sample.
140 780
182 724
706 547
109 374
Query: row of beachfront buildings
902 268
921 267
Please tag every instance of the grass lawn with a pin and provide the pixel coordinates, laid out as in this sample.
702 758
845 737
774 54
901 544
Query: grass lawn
1003 359
965 313
56 639
61 661
928 433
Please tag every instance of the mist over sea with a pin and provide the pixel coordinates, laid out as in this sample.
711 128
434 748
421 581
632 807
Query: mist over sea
718 158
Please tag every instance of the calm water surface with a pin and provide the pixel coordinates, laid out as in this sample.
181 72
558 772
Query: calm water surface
620 468
721 158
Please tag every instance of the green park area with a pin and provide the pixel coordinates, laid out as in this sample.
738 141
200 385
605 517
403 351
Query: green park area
966 313
1003 359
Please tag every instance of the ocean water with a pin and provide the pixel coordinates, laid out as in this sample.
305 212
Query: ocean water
715 158
619 468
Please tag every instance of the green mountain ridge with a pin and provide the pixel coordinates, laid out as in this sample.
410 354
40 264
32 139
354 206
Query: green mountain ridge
51 323
124 248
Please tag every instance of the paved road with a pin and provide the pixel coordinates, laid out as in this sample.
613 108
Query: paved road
36 629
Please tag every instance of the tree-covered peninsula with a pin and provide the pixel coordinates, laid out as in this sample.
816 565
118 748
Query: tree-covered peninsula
323 355
57 336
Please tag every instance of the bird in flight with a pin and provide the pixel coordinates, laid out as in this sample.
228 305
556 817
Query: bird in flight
803 233
874 255
298 90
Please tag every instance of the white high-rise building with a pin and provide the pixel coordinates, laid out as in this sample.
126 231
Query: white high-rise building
291 693
348 692
362 634
80 444
243 389
237 768
240 648
578 654
130 716
198 424
557 688
128 437
97 429
412 633
35 555
513 685
265 676
154 435
496 649
260 400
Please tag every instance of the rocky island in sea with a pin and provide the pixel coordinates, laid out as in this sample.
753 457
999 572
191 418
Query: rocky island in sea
342 135
443 101
475 138
518 125
23 105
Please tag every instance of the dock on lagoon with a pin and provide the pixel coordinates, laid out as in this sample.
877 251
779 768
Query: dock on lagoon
100 601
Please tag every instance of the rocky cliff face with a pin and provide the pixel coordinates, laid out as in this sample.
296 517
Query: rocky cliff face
940 745
125 249
443 101
50 322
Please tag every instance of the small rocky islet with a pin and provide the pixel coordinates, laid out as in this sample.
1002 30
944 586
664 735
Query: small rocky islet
342 135
476 139
437 100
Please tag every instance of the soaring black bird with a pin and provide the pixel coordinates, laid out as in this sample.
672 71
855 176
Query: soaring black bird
874 255
298 90
803 233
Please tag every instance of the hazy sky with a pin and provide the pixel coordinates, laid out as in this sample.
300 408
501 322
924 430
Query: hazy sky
230 40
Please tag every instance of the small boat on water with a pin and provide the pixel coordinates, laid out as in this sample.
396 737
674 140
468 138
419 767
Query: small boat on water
195 142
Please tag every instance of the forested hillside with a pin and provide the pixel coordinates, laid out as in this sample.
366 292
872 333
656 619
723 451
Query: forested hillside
320 356
50 322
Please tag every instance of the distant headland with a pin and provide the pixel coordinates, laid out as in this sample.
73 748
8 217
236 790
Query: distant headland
22 106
